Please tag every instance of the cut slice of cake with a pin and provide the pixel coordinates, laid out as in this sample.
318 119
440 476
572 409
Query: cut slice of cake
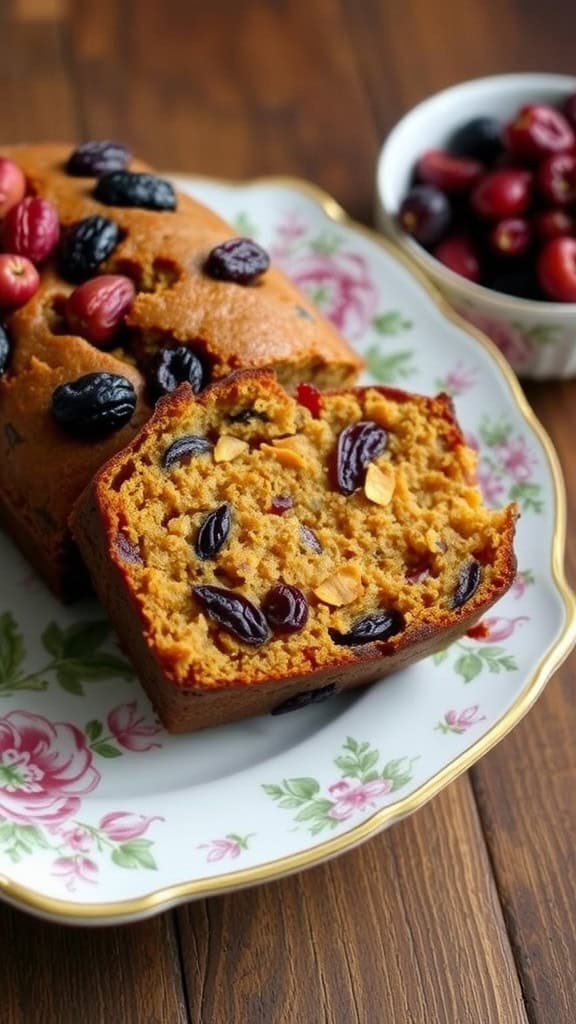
257 552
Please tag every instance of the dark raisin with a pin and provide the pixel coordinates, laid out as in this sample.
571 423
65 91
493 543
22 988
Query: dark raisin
126 550
309 396
468 582
302 700
94 405
286 608
310 539
86 245
5 349
213 532
91 159
246 415
235 613
376 626
357 445
189 444
281 503
128 188
173 366
240 260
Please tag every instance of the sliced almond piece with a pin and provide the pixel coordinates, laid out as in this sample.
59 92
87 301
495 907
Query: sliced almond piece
228 448
380 483
342 587
287 455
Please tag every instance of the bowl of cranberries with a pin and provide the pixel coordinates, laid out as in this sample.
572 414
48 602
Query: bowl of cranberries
478 185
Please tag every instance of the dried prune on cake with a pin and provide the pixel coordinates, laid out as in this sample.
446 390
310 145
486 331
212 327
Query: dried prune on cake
94 405
132 188
86 245
98 156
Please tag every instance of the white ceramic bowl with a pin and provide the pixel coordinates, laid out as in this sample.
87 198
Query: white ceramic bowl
538 338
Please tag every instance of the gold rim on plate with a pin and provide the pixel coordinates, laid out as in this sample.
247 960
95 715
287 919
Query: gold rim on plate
162 899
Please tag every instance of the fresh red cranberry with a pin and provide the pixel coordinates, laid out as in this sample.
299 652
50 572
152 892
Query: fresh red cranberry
503 193
569 109
309 396
556 178
451 174
32 229
511 237
539 130
19 280
458 253
425 214
95 310
557 269
12 185
553 224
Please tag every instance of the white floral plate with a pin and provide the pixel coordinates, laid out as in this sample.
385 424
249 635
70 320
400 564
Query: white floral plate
104 817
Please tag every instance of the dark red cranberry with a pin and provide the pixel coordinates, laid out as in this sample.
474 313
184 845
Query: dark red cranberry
280 504
240 260
538 130
480 139
309 396
213 532
453 175
569 109
511 237
557 269
235 613
503 193
556 179
553 224
425 214
358 445
458 253
285 608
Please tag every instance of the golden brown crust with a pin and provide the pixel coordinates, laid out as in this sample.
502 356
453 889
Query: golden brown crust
187 704
40 468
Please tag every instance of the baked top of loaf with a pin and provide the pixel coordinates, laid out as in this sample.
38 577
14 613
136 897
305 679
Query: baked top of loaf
362 499
268 323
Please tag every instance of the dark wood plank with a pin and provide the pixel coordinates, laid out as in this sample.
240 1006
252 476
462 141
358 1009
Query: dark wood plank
58 975
407 928
525 791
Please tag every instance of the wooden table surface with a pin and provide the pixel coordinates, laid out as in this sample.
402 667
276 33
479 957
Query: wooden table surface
465 912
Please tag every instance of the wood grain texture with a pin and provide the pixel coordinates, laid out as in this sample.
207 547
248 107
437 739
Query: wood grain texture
450 917
406 929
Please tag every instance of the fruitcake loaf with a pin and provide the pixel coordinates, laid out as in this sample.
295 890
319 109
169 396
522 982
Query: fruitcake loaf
115 273
257 551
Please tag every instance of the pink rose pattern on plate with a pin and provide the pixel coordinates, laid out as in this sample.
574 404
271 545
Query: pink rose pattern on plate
460 721
343 800
231 846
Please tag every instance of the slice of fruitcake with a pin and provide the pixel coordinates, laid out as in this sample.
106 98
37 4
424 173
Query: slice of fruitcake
257 552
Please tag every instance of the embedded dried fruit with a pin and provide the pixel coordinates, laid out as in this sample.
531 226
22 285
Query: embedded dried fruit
240 260
129 188
380 483
229 448
302 700
174 366
358 445
19 280
91 159
341 588
468 582
246 415
86 245
309 396
285 608
182 447
235 613
94 405
376 626
213 532
281 503
292 452
31 229
127 551
96 309
310 539
5 349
